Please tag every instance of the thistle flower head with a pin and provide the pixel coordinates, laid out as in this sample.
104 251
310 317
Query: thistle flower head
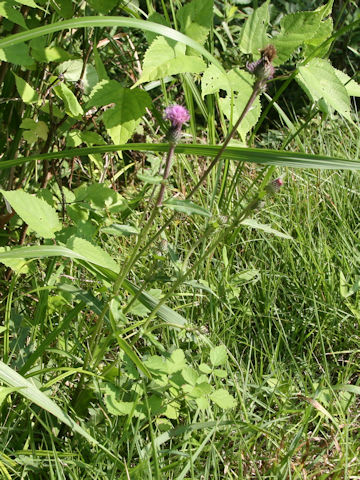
274 186
177 115
263 69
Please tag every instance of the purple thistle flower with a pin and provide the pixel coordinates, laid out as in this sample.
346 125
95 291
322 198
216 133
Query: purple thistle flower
177 115
262 69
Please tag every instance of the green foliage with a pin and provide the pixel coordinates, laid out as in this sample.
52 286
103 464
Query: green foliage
319 80
162 59
175 337
38 214
253 35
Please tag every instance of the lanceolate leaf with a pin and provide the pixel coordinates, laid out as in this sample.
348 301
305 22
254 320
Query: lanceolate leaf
253 33
260 156
32 393
37 213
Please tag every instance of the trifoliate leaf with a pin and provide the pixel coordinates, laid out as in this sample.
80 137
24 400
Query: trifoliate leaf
223 399
218 355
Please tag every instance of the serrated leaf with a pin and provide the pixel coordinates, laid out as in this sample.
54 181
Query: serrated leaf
26 92
38 214
253 34
17 54
34 130
296 28
323 32
196 18
72 106
250 222
130 105
8 10
218 355
223 399
352 87
162 60
93 253
185 206
232 107
319 80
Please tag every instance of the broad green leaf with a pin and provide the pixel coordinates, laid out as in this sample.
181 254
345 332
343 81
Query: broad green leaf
5 391
72 106
213 80
162 60
130 105
100 197
29 3
223 399
32 393
92 253
152 179
195 19
34 130
323 32
156 18
116 229
250 222
296 28
19 265
253 34
50 54
352 87
233 106
103 6
177 361
190 375
8 10
185 206
38 214
218 355
319 80
26 92
72 70
17 54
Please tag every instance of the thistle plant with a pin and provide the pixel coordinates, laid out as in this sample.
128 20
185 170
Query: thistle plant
178 115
